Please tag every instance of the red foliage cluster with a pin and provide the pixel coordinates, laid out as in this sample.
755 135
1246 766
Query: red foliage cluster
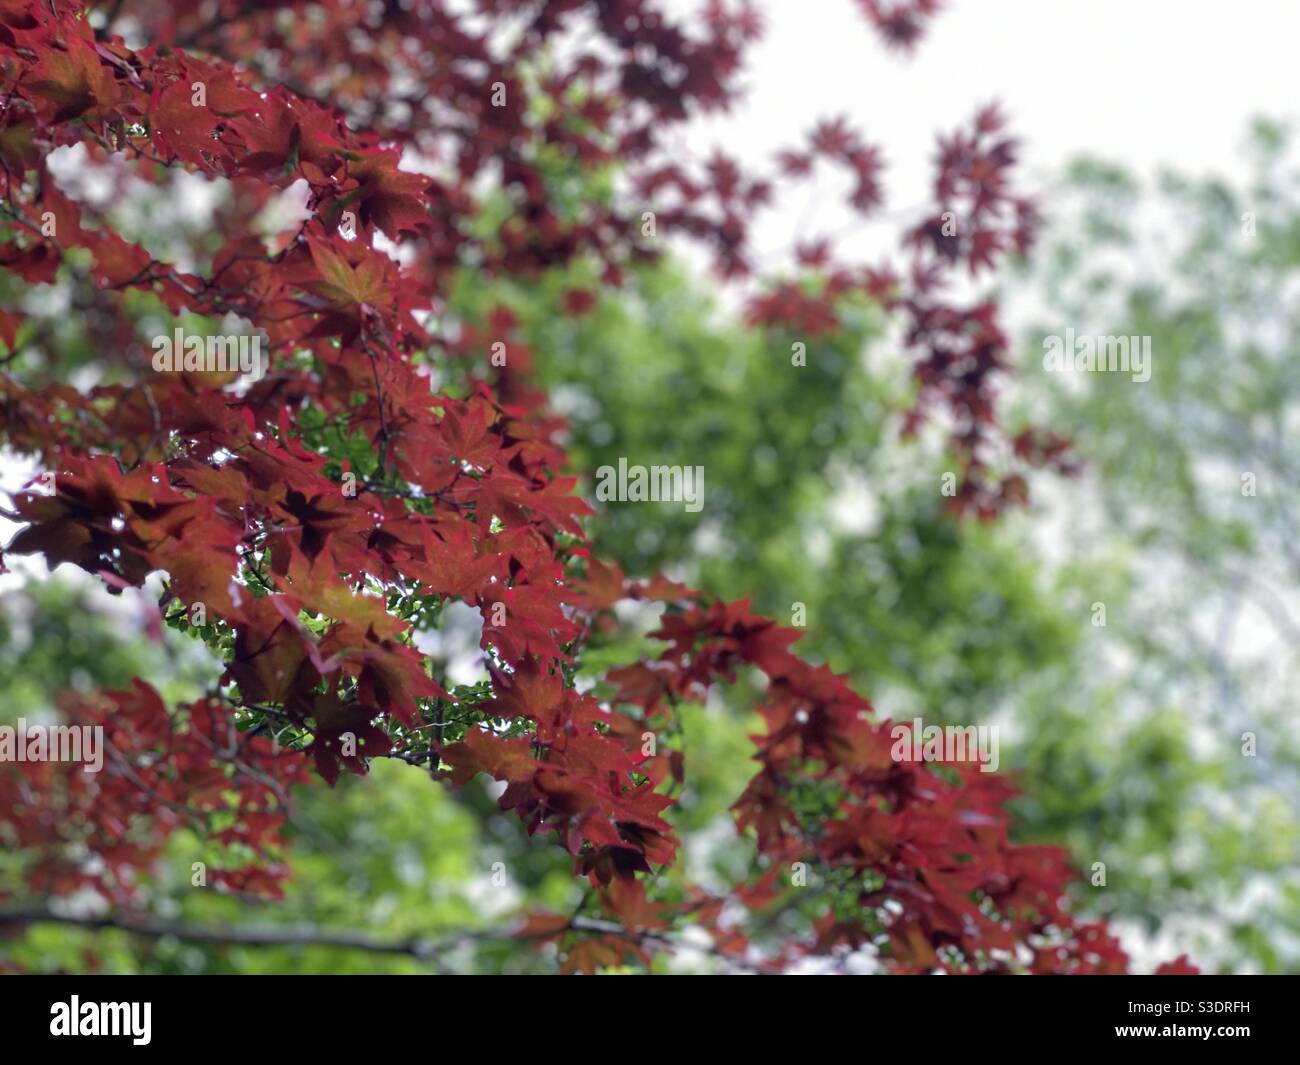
625 76
185 768
455 87
901 22
224 490
927 854
962 347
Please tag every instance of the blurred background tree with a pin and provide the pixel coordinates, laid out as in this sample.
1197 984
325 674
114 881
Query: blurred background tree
1189 506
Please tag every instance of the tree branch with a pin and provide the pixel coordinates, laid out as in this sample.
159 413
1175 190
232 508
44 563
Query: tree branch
289 935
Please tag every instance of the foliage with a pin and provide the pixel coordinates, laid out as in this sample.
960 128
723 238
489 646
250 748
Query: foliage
327 514
1174 755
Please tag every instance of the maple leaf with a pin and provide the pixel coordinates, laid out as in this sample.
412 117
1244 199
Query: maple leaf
38 264
345 284
530 691
509 497
453 564
534 621
73 82
289 133
604 584
466 433
594 953
187 129
270 651
344 735
389 198
483 752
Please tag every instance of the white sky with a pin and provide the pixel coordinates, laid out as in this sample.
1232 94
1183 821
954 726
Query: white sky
1142 82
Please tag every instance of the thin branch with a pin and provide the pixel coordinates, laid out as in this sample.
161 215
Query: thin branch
288 935
293 935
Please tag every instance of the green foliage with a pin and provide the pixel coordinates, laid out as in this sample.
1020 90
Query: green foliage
1137 751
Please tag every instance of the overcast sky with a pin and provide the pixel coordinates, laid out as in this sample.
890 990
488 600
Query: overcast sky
1140 81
